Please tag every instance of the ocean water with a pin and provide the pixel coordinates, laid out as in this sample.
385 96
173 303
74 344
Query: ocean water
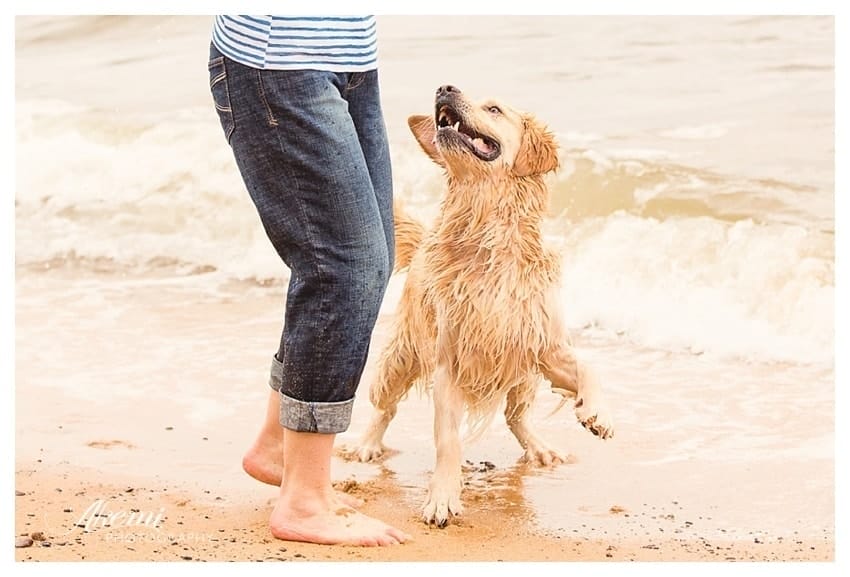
694 209
695 203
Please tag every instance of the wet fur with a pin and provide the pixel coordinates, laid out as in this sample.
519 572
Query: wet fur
479 313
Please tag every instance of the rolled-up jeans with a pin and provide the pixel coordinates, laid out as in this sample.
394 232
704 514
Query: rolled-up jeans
312 150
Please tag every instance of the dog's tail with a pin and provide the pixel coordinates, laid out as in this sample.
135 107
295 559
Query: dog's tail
409 233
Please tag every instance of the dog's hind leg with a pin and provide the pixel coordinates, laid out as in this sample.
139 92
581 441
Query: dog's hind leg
398 369
569 375
517 416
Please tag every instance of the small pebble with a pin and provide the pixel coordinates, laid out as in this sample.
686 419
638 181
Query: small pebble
23 542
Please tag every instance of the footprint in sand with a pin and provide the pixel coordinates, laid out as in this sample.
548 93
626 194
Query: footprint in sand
110 444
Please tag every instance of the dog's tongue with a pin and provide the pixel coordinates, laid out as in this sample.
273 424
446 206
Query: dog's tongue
482 146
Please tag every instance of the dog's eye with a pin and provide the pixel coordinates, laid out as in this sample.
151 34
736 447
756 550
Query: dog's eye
494 110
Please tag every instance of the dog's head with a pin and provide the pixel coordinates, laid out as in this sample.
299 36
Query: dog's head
468 137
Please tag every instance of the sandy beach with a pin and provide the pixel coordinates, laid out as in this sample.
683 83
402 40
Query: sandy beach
124 452
207 526
695 213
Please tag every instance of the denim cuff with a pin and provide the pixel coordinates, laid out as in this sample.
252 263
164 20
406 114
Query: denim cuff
314 417
276 376
309 416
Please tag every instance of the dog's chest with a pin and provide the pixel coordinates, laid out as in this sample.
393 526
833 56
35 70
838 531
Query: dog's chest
495 298
495 275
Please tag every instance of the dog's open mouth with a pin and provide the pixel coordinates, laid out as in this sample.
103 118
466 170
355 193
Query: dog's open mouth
481 145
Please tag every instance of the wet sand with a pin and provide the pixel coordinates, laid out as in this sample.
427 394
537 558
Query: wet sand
142 392
212 525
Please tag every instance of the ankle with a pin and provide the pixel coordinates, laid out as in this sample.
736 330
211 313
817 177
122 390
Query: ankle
305 502
270 437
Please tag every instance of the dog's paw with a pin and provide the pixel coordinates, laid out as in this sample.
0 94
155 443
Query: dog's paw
537 453
366 453
595 417
442 504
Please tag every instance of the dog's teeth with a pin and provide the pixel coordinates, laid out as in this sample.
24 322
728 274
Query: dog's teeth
456 125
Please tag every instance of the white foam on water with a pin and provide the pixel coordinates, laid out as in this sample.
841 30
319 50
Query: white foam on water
136 192
702 285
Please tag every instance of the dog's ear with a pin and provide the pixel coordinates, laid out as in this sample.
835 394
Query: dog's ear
423 129
538 151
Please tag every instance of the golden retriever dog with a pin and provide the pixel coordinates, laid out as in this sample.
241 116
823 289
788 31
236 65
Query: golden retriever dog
479 312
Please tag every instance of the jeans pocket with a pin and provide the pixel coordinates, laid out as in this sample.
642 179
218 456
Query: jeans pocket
221 95
355 79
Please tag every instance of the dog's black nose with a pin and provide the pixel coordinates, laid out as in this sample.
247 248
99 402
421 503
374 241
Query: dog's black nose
447 89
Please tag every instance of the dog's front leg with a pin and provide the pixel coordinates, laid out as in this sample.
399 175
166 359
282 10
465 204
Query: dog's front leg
568 375
444 491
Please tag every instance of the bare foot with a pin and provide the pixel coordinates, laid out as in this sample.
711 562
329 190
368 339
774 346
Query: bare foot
331 525
264 462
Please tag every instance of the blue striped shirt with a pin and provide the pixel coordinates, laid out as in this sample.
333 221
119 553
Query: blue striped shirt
332 43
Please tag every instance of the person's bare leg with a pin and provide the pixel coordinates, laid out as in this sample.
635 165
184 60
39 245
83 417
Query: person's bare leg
264 459
307 509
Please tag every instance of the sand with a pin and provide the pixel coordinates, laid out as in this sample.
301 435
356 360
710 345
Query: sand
117 420
212 526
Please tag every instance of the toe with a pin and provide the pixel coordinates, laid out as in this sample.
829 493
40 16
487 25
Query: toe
399 535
